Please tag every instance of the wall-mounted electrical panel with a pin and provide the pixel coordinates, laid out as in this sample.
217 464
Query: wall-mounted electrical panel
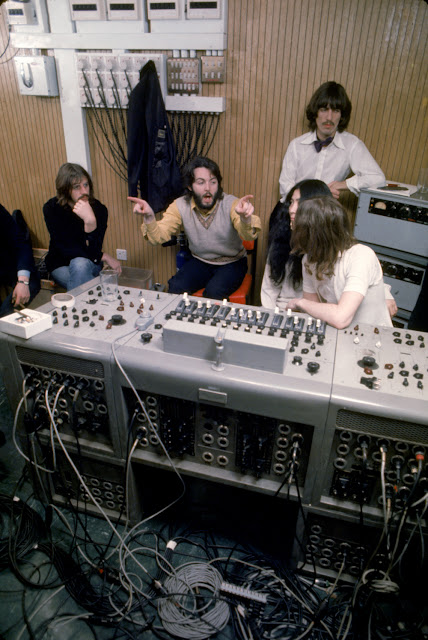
188 16
213 69
88 10
106 80
183 75
204 9
36 75
123 10
165 9
180 9
21 12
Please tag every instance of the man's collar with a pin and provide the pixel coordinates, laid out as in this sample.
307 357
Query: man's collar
337 140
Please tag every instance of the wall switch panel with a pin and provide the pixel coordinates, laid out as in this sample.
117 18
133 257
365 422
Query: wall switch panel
213 69
183 75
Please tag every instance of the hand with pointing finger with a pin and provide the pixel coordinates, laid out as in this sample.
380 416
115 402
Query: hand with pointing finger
245 209
142 208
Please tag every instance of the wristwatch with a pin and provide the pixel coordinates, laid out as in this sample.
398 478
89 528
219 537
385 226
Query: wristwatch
26 282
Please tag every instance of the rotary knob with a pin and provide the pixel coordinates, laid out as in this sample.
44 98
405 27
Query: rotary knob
313 367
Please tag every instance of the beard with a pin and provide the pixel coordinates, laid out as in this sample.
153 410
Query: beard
205 206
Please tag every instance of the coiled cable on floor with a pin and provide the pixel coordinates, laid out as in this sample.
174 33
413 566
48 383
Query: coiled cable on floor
194 608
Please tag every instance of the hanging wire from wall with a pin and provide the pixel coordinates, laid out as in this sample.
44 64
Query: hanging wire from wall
108 123
193 132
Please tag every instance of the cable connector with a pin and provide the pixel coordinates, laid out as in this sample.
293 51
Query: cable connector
243 592
158 586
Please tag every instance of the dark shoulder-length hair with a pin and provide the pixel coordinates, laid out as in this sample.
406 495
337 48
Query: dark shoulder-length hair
322 231
279 240
189 174
69 174
330 94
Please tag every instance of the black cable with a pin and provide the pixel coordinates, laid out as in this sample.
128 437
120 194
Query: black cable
92 112
119 106
6 47
120 152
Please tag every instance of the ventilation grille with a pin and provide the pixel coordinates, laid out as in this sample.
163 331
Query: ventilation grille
379 426
59 362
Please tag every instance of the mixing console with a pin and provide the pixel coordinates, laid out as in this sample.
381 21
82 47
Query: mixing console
242 395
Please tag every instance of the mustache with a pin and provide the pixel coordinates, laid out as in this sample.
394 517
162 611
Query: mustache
83 196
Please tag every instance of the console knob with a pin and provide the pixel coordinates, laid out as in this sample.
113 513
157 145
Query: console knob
313 367
146 337
369 361
297 360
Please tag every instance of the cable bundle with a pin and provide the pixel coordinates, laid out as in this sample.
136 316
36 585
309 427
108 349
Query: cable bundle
190 611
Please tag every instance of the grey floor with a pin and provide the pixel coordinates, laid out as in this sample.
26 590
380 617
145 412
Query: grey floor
35 601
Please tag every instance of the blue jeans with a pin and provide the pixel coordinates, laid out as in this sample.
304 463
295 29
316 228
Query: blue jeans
79 271
219 281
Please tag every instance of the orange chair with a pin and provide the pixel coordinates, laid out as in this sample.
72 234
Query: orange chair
244 293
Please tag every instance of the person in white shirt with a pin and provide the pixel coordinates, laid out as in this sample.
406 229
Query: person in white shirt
282 278
329 152
342 280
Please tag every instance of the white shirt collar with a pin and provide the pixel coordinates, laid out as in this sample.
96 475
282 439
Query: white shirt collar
337 140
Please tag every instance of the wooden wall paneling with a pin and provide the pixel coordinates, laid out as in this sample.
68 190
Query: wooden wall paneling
264 152
254 99
31 142
364 57
409 145
388 90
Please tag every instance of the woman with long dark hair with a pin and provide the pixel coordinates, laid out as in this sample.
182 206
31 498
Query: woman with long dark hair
282 279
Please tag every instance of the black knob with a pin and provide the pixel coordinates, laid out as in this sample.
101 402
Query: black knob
297 360
116 318
146 337
369 361
313 367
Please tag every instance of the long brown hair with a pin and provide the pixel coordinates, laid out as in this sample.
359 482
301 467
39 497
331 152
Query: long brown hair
68 174
330 94
321 231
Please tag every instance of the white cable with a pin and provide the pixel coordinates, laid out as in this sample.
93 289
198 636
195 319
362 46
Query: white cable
88 491
141 403
182 614
41 605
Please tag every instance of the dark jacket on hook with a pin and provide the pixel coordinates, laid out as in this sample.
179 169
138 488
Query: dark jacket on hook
152 161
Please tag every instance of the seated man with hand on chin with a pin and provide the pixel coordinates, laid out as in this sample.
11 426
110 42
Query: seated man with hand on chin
77 223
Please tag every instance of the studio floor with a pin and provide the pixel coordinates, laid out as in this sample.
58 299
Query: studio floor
206 561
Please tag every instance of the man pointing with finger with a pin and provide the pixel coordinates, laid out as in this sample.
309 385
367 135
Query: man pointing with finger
215 224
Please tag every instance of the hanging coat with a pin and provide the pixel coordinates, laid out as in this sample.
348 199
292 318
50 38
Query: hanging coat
152 163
